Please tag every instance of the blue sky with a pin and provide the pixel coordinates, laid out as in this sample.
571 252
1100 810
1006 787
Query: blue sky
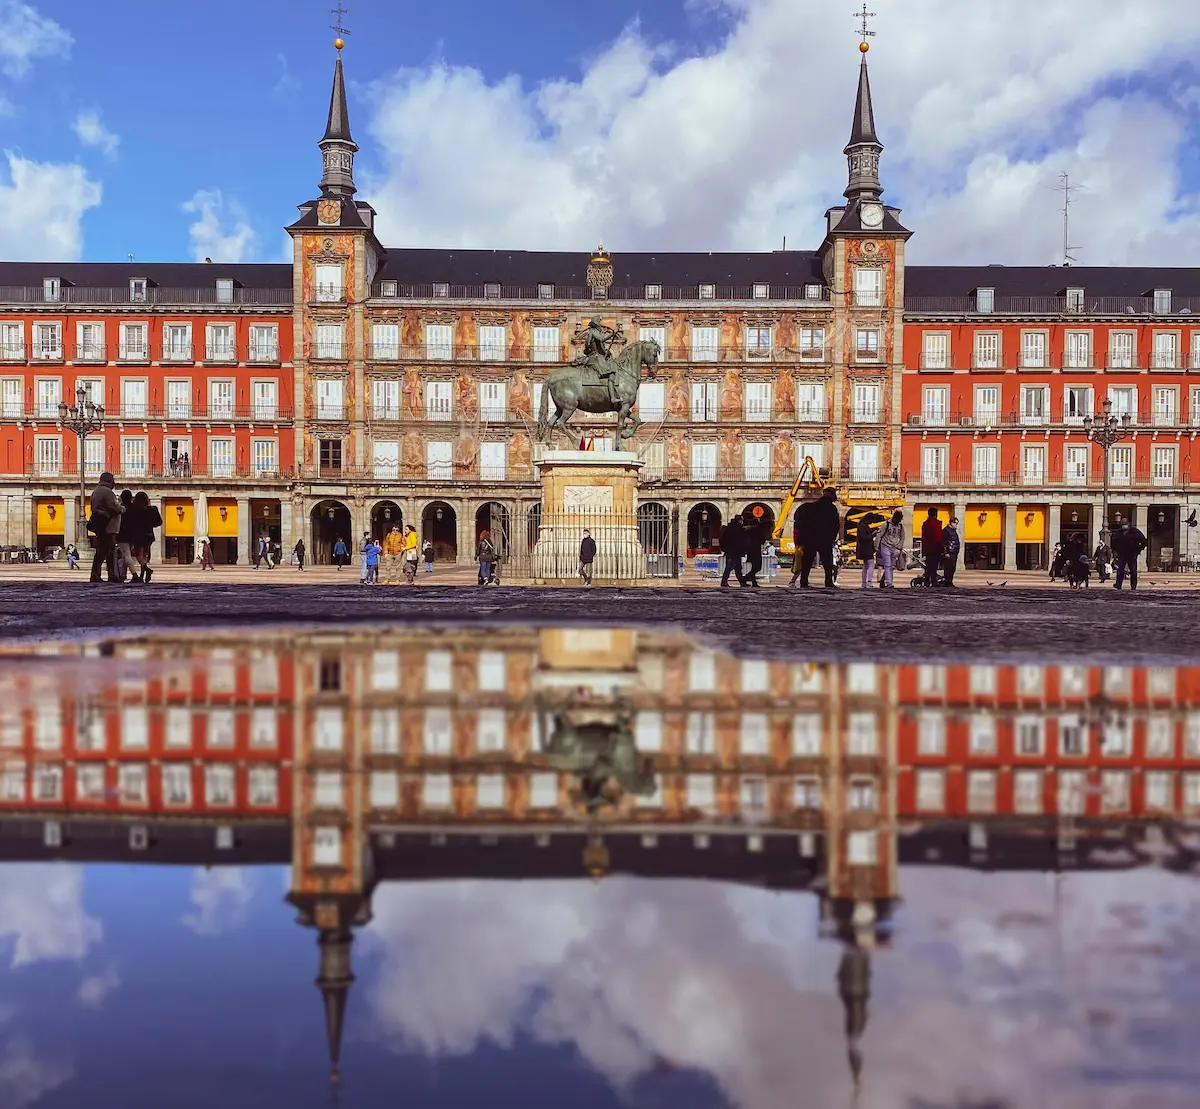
177 130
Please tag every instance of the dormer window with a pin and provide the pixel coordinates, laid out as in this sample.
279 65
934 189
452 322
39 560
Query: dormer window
654 292
1162 302
985 300
812 292
224 290
51 288
441 289
545 292
1074 300
599 292
387 288
491 291
708 292
137 290
761 292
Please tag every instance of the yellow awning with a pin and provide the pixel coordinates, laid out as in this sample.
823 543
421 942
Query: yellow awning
51 517
921 514
222 518
179 517
984 523
1031 524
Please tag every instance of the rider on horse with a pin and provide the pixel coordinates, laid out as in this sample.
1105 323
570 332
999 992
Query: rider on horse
598 339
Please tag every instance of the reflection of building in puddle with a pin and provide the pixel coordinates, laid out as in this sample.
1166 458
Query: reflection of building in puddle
371 756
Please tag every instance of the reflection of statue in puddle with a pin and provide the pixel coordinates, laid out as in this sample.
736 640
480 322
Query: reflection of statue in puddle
601 753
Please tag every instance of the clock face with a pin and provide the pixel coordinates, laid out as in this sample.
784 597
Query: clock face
329 210
871 214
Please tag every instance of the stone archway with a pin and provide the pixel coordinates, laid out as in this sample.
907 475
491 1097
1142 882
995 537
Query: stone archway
703 528
331 521
762 515
496 519
385 515
439 524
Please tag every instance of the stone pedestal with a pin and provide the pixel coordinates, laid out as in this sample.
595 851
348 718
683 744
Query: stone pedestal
596 491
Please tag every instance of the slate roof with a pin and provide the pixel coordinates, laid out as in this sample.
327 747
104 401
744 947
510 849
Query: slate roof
527 268
1050 281
167 275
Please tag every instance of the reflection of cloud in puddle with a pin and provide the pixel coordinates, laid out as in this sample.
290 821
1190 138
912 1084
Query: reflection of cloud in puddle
980 998
96 987
221 897
41 911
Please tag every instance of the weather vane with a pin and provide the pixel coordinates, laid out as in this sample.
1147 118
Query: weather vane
864 15
339 13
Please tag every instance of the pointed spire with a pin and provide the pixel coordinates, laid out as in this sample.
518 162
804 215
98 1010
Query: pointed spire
337 147
334 981
863 150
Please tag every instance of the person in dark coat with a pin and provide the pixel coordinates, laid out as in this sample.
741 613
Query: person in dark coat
752 544
1101 559
146 518
931 546
824 526
951 545
1128 543
587 556
105 524
801 538
1073 549
733 547
125 537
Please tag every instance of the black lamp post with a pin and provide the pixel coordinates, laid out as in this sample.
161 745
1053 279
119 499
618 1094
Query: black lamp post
1107 431
83 419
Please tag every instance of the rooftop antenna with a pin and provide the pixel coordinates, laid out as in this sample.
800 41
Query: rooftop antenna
1068 190
131 257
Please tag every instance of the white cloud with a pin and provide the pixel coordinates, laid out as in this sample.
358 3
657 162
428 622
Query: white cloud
221 230
287 84
96 987
653 147
1022 1006
221 897
42 207
90 131
42 913
26 36
24 1078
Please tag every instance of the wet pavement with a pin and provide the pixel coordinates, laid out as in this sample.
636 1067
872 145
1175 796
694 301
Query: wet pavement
904 624
611 867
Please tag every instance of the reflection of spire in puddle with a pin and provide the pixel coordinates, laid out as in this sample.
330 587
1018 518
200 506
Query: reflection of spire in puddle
854 989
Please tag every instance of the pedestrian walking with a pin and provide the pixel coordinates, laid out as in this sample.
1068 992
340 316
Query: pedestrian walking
951 545
125 537
393 556
72 557
1056 561
262 552
105 525
411 540
1073 550
485 555
146 518
298 555
374 550
362 557
1128 543
825 527
889 546
931 546
733 547
1102 559
206 555
801 538
427 551
341 553
864 550
753 546
587 556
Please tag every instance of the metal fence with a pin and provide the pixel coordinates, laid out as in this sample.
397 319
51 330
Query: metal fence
546 546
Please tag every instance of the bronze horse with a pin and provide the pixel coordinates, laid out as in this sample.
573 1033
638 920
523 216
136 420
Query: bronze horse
576 388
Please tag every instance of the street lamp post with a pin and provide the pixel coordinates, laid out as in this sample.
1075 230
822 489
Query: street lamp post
1108 431
84 418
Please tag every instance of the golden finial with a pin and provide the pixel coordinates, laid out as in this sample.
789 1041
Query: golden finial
339 13
864 15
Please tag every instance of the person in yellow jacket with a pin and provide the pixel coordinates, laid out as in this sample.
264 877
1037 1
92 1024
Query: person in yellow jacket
411 554
393 551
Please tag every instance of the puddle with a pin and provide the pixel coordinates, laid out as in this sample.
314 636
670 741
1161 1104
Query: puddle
609 866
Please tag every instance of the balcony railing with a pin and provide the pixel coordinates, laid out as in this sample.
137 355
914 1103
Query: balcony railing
1048 306
121 294
1058 478
637 293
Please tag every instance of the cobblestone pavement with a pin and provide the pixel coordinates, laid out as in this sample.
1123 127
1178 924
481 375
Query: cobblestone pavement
996 624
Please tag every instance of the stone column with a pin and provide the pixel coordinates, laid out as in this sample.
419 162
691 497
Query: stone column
1010 537
1053 525
1141 518
71 521
245 532
286 540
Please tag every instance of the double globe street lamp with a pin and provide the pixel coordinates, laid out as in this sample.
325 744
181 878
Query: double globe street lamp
1107 431
83 419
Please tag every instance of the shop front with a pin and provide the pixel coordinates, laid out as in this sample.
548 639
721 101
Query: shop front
1031 537
983 537
267 517
179 531
223 530
51 525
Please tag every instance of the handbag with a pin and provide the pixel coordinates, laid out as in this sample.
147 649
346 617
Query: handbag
902 559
